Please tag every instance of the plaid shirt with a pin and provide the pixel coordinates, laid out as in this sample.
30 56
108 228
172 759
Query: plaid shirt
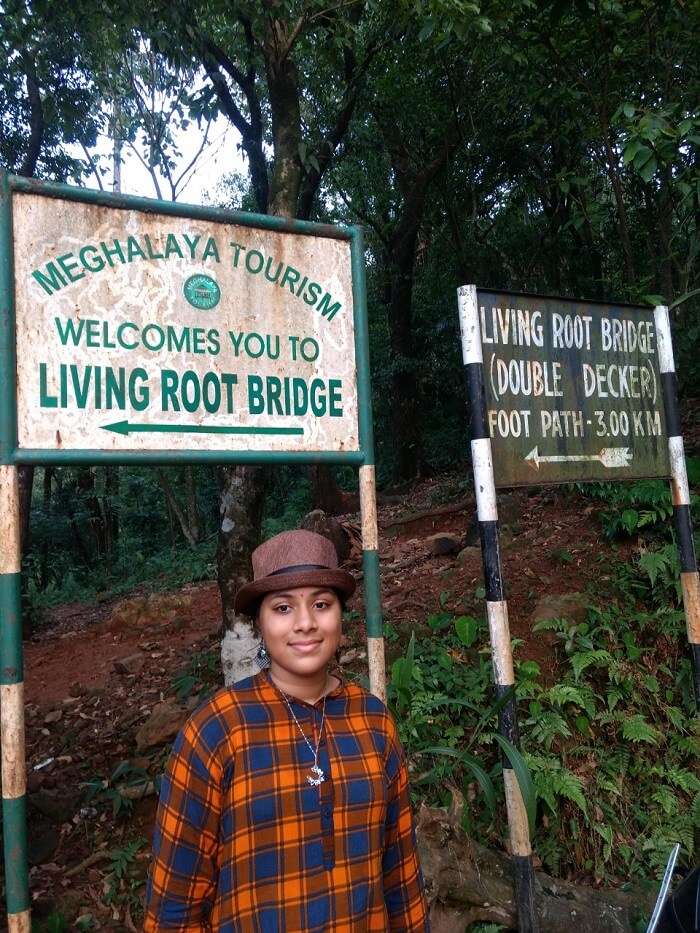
243 843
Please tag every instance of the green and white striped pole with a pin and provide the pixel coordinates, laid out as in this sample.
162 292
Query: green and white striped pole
14 823
14 826
368 486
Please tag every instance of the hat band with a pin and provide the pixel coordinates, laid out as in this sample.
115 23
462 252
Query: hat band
298 568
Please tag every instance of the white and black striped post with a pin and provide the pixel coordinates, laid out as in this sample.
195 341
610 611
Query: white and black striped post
680 493
496 605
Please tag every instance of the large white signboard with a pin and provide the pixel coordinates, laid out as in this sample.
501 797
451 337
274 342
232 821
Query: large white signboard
140 332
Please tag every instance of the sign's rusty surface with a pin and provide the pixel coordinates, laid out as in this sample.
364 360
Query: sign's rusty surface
573 390
138 332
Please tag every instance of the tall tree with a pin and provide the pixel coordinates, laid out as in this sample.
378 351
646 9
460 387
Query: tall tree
288 76
47 101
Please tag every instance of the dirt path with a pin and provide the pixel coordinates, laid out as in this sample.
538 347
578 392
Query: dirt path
82 643
549 544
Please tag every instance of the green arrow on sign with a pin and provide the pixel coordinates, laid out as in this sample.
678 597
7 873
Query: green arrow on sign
124 427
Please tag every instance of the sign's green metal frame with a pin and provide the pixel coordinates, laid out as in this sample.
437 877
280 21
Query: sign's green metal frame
9 451
11 456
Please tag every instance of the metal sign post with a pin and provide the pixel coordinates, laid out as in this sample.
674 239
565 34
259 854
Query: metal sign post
14 821
134 330
567 391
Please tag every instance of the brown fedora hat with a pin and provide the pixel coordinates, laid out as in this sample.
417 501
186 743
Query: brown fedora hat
291 559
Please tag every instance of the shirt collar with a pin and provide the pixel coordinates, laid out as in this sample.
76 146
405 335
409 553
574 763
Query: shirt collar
264 679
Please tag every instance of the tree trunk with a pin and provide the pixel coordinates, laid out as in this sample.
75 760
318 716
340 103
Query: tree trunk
85 483
243 488
611 165
241 503
25 479
193 517
174 508
36 136
467 883
325 492
111 512
66 499
44 559
400 261
283 88
406 406
36 117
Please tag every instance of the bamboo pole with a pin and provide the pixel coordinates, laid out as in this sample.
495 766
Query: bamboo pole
372 585
367 478
13 767
12 708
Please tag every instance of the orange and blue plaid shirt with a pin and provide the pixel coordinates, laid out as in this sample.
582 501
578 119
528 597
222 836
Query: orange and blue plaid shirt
244 844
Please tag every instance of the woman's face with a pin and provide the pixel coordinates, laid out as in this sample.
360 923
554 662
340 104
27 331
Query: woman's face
301 629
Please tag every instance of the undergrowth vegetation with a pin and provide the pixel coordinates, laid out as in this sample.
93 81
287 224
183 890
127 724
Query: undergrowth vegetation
610 745
610 742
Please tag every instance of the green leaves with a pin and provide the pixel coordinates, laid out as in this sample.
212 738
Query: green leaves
402 676
524 778
474 766
662 568
552 781
584 659
636 729
467 628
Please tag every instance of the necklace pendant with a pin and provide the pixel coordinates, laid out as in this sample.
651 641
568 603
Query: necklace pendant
319 779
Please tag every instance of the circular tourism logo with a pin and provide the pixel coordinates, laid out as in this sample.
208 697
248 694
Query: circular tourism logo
202 292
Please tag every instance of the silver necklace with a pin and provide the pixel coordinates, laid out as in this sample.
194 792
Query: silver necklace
316 775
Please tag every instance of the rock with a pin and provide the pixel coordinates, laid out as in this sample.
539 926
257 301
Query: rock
442 544
35 780
467 882
142 763
42 843
162 725
239 648
473 538
354 654
510 508
132 664
53 716
505 536
57 807
570 606
330 528
469 555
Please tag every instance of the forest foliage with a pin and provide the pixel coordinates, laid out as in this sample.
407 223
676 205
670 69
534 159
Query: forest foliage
538 147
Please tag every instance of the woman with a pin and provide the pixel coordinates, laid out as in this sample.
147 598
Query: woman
285 803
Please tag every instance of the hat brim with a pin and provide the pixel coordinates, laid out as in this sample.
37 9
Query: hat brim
334 579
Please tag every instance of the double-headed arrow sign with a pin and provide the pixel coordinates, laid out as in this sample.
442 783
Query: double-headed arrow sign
126 427
611 457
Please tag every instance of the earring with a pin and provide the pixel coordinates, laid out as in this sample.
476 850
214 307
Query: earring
262 658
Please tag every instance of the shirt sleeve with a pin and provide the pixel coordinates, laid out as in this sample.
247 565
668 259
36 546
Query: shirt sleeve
183 876
403 882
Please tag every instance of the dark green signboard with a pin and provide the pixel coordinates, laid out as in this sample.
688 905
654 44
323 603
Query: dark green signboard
573 390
